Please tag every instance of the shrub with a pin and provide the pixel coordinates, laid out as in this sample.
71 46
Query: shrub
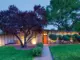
37 51
53 36
78 38
39 45
74 37
66 38
60 37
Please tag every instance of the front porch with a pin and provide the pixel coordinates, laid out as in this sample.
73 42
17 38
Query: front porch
47 40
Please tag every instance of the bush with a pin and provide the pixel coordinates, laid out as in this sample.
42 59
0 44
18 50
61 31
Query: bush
37 51
78 38
39 45
60 37
66 38
53 36
74 37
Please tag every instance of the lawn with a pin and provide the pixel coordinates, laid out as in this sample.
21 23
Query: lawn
66 52
10 53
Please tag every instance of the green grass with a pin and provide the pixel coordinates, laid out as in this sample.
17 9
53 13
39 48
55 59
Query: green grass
10 53
66 52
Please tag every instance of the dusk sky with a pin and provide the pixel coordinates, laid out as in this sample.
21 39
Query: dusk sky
23 4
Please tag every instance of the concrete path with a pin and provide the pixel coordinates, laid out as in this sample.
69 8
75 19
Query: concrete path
46 55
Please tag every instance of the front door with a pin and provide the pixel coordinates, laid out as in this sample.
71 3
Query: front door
45 39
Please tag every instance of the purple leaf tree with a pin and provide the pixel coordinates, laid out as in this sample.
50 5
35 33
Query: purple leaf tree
13 21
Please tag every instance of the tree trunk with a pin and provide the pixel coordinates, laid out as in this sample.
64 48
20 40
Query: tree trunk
22 45
25 43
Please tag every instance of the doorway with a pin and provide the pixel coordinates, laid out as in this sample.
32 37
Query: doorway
45 39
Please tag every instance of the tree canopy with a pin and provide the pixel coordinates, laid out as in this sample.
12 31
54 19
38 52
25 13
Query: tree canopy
13 21
62 13
77 26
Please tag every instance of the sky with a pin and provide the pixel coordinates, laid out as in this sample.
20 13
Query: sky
23 4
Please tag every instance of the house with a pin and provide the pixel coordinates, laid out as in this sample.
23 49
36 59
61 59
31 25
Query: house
11 39
43 37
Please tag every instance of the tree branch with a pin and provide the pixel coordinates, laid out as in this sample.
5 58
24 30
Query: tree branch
29 37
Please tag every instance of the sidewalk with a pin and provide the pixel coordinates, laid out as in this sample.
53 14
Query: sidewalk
46 55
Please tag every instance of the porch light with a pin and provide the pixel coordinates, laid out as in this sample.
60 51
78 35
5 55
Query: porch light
22 38
34 41
45 33
71 39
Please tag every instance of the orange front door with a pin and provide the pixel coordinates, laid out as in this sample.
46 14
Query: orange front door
45 39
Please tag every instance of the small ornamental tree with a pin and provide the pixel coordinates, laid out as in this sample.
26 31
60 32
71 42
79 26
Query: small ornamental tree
13 21
66 38
53 36
78 38
74 37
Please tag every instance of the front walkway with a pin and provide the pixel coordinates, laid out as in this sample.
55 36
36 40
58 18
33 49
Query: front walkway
46 55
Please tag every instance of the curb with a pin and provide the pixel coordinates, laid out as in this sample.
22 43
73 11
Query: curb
51 54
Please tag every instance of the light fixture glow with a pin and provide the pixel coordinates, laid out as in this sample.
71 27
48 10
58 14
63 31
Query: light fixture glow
34 41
